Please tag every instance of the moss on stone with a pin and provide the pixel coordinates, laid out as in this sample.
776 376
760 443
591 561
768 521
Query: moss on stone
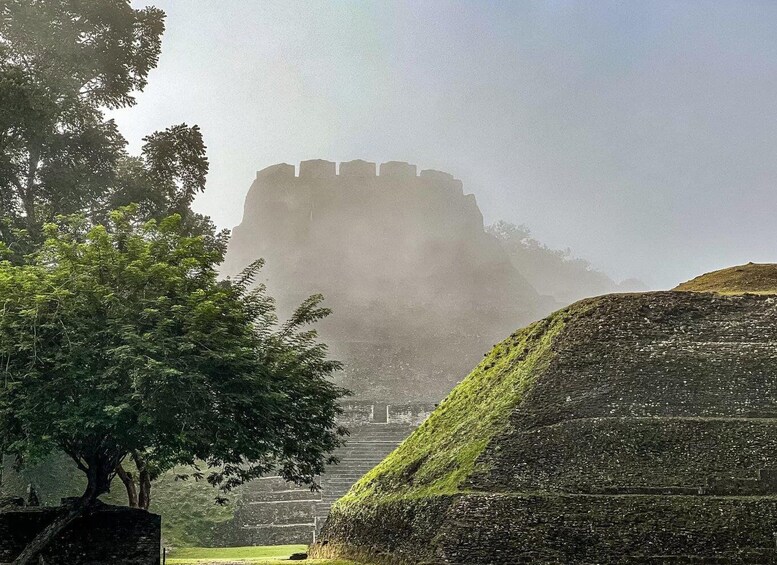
441 455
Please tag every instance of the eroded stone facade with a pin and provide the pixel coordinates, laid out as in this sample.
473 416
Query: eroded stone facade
271 511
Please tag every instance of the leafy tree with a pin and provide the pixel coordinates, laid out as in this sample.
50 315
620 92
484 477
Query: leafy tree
62 63
120 343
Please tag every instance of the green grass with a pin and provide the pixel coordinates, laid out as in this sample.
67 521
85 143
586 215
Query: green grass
260 555
753 278
443 452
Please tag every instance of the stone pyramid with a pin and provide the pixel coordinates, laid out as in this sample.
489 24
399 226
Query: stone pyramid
632 428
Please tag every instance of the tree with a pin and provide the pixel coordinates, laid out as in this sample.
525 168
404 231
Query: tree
62 63
120 343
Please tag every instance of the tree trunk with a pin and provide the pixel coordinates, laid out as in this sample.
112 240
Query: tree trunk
144 481
144 497
50 532
129 484
99 483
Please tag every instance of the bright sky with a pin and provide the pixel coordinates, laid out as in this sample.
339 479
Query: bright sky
643 135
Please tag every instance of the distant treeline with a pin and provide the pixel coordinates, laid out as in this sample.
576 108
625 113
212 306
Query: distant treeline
555 272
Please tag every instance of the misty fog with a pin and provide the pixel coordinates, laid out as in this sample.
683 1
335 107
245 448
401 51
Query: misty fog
389 262
640 135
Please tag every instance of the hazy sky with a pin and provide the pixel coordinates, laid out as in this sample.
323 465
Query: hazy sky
643 135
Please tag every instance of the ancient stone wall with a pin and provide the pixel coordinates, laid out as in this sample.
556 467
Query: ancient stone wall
111 535
655 389
418 289
630 455
512 529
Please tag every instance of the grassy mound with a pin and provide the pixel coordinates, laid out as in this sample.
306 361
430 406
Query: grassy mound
442 453
753 278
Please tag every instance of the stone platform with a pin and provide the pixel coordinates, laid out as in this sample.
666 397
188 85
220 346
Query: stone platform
112 534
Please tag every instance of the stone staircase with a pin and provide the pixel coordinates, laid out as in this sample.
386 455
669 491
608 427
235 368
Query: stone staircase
273 512
367 446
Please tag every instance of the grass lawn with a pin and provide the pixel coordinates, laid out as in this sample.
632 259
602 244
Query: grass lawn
260 555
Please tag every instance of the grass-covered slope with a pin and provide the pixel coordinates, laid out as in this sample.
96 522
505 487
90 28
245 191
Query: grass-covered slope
442 453
753 278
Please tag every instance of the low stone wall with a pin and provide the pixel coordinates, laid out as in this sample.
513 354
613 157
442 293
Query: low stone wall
502 529
113 534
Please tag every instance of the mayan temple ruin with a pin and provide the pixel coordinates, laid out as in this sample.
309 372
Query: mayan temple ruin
419 293
632 428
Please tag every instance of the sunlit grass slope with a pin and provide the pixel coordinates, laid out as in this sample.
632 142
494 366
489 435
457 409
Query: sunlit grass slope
260 555
439 456
753 278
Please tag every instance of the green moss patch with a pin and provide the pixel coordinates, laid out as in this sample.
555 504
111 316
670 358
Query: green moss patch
443 452
753 278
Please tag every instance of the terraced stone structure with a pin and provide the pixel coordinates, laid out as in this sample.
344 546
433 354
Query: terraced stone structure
418 289
271 511
638 428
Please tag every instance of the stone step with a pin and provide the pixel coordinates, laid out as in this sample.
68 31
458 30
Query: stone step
276 513
268 534
280 496
377 440
374 447
351 467
357 429
350 464
361 457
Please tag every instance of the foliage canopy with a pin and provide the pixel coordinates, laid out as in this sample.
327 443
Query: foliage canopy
118 342
121 341
62 63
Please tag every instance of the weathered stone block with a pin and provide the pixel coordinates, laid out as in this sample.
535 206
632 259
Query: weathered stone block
357 168
110 535
397 169
438 176
281 170
317 169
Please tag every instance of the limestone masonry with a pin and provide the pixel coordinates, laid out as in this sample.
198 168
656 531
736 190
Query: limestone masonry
273 512
637 428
